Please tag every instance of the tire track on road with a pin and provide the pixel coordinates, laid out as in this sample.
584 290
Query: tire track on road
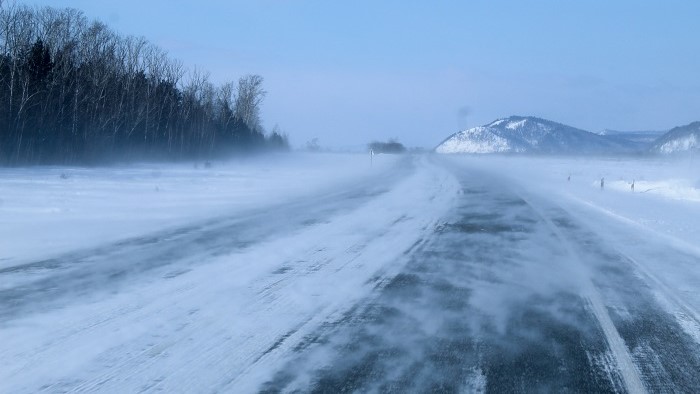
623 358
459 316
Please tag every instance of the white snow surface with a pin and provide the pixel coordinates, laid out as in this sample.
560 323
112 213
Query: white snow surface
100 205
518 134
680 144
665 199
226 324
663 208
204 328
516 125
679 140
475 140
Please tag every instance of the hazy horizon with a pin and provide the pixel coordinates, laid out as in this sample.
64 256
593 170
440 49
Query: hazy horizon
354 72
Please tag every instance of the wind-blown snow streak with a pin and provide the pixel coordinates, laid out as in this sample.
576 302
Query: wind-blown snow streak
627 368
476 273
222 325
68 208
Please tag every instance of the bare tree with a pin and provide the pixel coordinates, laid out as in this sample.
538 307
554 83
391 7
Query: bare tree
249 97
72 90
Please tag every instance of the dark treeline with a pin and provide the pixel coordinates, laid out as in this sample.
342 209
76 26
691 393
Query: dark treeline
391 146
73 91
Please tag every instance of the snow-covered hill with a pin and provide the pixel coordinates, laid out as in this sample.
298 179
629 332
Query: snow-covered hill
679 139
520 134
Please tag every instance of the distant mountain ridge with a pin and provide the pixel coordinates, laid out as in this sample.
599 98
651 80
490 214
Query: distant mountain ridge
634 133
679 139
643 138
529 134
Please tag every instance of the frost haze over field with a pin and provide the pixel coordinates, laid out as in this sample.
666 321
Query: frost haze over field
65 208
329 272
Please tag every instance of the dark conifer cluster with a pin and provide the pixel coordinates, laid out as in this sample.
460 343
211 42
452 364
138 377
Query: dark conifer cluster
391 146
74 91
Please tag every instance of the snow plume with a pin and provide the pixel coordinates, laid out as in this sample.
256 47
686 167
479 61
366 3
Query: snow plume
67 208
224 301
514 270
449 273
492 275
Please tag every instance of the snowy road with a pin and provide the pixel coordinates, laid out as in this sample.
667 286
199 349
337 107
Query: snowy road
428 275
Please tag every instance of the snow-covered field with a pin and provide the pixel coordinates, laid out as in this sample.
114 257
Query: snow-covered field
49 210
321 272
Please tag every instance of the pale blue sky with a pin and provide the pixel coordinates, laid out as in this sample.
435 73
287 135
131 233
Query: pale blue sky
351 71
